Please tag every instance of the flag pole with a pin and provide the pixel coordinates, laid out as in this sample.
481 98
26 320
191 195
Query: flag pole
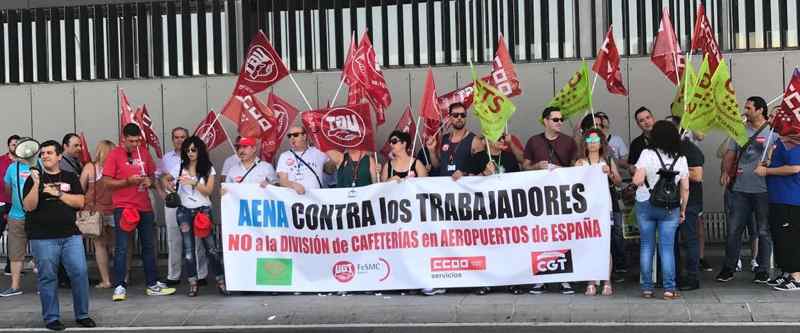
227 136
769 138
301 92
414 145
777 98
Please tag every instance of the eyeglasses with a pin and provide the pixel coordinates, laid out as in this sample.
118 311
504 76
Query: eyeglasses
394 141
592 139
192 150
556 120
458 115
294 135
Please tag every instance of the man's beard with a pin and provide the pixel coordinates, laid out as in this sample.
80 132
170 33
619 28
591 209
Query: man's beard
458 125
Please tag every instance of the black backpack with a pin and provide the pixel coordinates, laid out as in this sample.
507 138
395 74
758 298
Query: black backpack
665 193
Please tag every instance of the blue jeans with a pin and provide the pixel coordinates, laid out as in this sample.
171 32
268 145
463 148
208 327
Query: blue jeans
617 241
666 222
689 231
49 253
742 207
147 238
185 217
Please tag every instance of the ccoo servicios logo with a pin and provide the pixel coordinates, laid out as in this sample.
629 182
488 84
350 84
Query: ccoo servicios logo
551 262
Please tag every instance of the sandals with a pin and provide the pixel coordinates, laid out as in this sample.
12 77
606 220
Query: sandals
221 288
591 290
607 290
103 285
193 288
671 295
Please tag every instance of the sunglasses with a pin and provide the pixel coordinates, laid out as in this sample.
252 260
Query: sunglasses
556 120
458 115
192 150
592 139
394 141
294 135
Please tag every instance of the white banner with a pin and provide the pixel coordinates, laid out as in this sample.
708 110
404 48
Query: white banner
517 228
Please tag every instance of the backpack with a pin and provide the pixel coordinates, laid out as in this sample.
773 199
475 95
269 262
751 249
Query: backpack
665 193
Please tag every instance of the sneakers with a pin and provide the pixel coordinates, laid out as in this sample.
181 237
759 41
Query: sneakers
704 266
537 289
789 285
725 275
761 277
778 280
162 284
55 325
120 294
159 289
739 265
566 289
433 292
86 322
10 292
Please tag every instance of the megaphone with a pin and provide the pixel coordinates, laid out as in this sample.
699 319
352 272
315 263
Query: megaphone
27 151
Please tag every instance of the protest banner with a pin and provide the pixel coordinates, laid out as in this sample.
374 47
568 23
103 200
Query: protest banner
515 228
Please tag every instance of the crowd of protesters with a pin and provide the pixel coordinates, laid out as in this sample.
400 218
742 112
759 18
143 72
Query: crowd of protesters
40 202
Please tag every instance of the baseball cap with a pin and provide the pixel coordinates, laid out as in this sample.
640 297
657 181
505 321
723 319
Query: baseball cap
245 141
130 219
202 225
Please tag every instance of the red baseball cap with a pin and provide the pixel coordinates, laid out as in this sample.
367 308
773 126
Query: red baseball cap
130 219
245 141
202 225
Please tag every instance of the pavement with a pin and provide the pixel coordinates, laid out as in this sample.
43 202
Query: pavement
736 306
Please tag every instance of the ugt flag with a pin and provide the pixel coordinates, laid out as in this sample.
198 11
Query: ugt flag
262 67
210 131
341 127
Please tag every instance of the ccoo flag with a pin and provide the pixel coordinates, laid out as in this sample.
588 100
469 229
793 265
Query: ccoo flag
492 108
576 95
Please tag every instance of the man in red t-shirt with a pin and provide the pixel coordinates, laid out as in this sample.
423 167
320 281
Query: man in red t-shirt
128 172
551 148
5 198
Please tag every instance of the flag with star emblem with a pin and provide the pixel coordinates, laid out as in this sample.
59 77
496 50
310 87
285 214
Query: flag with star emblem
576 95
728 118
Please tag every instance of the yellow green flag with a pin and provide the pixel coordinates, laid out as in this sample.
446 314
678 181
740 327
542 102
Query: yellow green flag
726 108
699 98
492 108
576 95
678 101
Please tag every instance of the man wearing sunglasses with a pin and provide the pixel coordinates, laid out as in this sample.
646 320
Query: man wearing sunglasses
548 150
453 156
302 167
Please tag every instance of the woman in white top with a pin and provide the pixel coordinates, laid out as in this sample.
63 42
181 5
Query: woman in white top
664 152
194 186
594 150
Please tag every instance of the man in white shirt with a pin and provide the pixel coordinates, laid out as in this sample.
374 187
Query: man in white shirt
167 173
231 160
302 167
250 169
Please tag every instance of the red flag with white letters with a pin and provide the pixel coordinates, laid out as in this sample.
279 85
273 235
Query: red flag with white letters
262 67
703 38
210 131
429 108
126 112
341 127
787 121
666 53
149 133
361 69
86 156
251 115
283 115
607 65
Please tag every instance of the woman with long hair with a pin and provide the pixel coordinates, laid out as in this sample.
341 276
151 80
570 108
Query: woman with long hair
662 159
194 185
594 151
98 199
402 165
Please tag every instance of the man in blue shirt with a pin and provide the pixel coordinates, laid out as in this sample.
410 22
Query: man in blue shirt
15 177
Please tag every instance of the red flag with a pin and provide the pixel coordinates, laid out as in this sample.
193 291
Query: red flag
341 127
703 38
429 107
787 121
149 133
503 76
405 124
251 115
210 131
607 65
283 115
262 67
363 70
86 156
666 53
126 112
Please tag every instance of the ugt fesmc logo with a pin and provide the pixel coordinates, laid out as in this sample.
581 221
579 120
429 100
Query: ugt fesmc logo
344 127
551 262
457 264
344 271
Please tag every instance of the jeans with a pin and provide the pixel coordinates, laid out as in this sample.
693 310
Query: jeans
175 247
49 254
213 253
146 229
689 231
3 211
741 208
617 241
650 219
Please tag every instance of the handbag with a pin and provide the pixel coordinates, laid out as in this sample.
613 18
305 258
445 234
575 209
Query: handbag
173 200
90 221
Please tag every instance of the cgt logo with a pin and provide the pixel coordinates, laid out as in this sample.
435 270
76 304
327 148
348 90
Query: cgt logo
551 262
457 264
344 271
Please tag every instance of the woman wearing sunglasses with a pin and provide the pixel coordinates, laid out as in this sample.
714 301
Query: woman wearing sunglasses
594 151
402 164
195 184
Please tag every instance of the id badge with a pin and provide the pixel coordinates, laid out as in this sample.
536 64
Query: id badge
451 168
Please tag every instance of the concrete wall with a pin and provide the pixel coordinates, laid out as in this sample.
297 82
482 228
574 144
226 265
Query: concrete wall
48 111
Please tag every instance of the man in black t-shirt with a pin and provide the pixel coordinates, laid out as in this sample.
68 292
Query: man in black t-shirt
51 199
645 120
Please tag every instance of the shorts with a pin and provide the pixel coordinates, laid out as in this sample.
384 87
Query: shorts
17 240
108 220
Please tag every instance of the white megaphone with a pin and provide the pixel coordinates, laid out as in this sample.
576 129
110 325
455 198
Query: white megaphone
27 151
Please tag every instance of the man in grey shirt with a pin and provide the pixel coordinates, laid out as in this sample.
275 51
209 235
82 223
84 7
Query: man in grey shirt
71 159
747 195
